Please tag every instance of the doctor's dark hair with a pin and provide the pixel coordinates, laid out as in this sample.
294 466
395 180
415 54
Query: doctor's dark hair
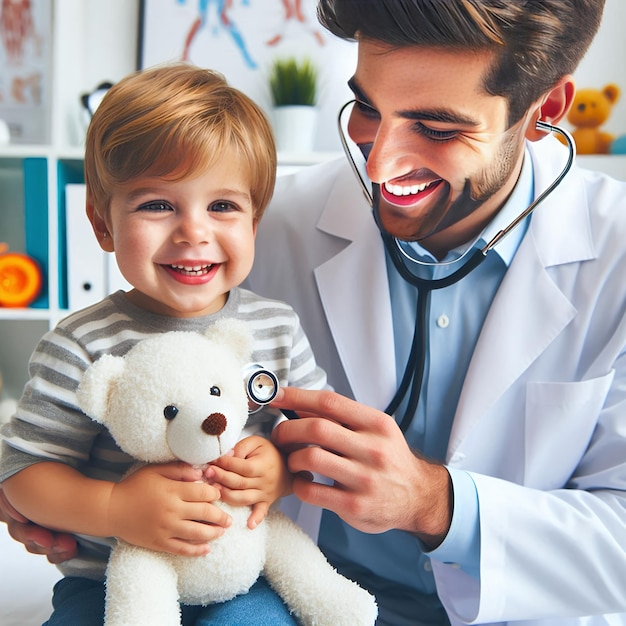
536 42
172 121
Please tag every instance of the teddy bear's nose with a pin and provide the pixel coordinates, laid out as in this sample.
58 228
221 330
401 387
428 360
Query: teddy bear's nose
214 424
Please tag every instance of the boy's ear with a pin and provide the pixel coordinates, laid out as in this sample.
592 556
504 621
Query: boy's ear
553 107
99 226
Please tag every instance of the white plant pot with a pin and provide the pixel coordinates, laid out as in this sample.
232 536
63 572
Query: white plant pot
294 128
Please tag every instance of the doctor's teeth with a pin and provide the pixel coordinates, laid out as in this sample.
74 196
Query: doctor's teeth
400 190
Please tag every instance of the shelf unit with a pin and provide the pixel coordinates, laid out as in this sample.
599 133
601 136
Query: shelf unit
32 179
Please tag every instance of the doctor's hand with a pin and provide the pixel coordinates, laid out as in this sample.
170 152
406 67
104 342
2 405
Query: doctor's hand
379 483
57 547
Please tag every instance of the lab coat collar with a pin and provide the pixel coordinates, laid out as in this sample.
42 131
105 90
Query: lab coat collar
354 292
560 226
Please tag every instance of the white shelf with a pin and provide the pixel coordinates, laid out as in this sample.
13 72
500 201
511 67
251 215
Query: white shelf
25 314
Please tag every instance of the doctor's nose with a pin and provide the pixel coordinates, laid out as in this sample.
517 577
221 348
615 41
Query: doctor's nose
389 157
387 149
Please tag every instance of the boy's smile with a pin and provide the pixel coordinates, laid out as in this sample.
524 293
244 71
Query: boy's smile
193 274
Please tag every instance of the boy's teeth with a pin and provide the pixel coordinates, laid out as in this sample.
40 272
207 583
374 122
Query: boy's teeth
198 269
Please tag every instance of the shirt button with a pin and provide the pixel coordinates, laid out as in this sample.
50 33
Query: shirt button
443 321
428 566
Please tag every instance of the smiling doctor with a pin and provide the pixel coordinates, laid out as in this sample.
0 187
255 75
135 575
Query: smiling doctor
496 491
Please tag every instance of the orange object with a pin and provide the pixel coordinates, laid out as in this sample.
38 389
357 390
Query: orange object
20 279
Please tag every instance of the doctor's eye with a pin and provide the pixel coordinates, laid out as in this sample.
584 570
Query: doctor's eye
170 412
434 134
215 391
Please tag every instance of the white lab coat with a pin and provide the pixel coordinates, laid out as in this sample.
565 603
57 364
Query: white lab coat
541 421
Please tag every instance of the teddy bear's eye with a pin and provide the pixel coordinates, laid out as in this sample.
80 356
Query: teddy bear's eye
215 391
170 412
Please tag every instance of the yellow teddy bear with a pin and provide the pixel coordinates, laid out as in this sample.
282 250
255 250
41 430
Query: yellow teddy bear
590 109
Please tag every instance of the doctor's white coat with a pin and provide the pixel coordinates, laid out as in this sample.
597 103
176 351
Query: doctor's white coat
541 421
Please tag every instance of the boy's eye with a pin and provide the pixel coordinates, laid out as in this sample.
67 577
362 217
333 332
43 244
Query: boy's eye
222 206
156 206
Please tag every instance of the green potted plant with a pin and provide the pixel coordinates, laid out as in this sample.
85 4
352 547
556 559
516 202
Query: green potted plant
293 88
293 82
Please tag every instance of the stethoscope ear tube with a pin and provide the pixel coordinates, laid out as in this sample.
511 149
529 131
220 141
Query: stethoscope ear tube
548 128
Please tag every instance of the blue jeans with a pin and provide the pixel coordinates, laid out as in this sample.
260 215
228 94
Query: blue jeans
80 602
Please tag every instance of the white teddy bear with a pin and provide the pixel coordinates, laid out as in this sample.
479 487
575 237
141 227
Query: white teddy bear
180 395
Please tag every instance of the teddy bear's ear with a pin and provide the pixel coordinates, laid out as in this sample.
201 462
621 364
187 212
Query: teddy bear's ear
234 332
97 381
611 93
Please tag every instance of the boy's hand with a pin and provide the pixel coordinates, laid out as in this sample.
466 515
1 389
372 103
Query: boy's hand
254 475
160 507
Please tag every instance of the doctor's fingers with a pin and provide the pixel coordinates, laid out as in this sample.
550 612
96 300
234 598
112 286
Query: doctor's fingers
333 406
351 499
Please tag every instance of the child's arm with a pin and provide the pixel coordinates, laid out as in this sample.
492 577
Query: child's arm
255 475
157 507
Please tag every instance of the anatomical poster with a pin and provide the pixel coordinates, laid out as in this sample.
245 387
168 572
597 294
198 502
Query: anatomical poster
25 53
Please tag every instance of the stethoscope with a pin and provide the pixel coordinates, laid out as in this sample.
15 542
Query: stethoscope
412 379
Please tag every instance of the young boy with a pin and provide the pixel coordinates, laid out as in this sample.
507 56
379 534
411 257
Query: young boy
179 168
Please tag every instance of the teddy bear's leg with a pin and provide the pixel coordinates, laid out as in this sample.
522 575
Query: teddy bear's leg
141 589
314 591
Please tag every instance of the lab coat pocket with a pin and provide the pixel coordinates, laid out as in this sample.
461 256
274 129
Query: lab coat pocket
560 420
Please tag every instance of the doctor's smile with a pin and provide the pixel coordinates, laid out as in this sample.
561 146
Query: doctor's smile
405 194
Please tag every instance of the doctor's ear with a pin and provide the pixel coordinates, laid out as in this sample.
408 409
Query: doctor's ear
552 108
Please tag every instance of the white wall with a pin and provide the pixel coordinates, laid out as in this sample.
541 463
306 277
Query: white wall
94 41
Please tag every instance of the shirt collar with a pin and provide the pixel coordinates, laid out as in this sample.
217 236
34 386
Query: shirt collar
518 201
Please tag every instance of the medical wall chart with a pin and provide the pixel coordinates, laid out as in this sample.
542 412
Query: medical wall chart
25 54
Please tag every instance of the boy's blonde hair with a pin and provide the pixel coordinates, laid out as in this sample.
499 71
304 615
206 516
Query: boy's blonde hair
171 121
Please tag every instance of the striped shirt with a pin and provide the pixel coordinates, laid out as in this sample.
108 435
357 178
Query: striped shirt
48 425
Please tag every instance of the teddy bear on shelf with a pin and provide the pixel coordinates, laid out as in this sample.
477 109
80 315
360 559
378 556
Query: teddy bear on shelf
156 402
590 109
